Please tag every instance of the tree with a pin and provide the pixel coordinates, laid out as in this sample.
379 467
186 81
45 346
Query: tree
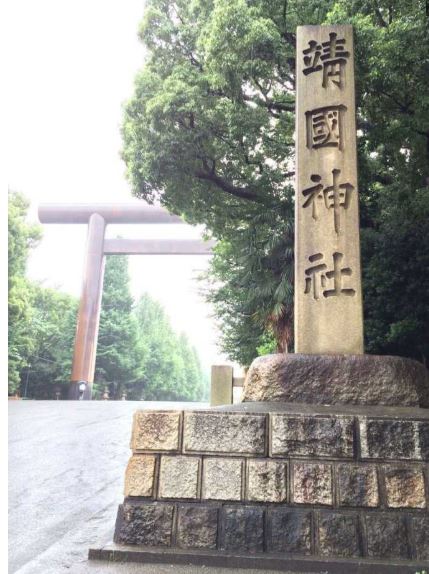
192 372
22 237
209 133
171 368
52 331
119 355
254 269
394 273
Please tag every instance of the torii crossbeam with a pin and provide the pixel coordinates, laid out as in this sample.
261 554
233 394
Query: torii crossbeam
97 216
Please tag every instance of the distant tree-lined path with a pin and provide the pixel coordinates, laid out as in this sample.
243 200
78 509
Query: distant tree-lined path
139 355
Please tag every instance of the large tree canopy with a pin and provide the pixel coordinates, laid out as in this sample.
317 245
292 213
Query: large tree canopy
209 133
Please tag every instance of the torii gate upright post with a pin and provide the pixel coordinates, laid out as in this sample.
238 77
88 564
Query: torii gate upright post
97 216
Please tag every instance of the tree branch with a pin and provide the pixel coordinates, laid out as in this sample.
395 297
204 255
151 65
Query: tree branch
241 192
383 179
403 108
380 18
279 106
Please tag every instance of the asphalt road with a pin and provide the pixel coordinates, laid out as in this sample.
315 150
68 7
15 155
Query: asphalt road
66 469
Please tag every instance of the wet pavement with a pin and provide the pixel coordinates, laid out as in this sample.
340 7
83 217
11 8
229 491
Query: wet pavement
67 462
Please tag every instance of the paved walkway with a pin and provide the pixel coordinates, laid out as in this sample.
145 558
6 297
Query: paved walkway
66 469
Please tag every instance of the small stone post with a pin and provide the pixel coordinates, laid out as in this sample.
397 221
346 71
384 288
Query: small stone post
221 385
328 293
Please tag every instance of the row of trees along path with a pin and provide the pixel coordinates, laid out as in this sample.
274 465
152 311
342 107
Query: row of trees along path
138 353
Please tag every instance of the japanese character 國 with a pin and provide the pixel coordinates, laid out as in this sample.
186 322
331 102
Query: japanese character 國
324 127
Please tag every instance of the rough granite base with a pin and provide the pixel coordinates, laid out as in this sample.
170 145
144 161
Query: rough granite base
338 379
278 480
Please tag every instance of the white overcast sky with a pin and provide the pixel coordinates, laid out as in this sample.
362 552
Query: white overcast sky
71 65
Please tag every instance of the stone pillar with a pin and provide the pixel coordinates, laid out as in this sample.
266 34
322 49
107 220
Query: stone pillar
328 293
221 385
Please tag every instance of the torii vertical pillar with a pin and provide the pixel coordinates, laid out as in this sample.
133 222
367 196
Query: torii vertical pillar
89 310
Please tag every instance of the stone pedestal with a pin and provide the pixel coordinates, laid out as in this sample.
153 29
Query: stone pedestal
275 484
338 379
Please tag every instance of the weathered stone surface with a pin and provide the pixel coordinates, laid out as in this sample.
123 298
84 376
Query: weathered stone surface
290 531
424 440
357 485
266 481
139 475
391 439
328 291
243 528
386 536
178 477
405 487
144 523
312 483
197 526
311 436
159 430
229 433
221 385
222 478
337 379
338 535
421 536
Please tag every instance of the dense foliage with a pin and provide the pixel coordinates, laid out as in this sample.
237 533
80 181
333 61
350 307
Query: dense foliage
118 350
209 133
52 331
21 238
171 367
138 352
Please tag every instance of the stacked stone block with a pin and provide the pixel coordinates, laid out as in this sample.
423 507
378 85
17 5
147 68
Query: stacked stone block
326 485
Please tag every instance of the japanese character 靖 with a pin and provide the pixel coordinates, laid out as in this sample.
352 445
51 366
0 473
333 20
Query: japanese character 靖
330 56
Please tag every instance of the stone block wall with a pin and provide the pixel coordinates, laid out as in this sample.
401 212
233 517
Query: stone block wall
325 485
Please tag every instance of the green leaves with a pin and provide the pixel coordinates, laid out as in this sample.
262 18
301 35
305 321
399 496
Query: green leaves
210 134
171 368
118 351
52 329
138 352
22 237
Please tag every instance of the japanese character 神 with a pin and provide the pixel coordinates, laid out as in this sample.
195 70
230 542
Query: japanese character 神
334 196
329 56
317 277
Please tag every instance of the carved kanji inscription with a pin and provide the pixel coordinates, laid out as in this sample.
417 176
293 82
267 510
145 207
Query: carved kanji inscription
329 57
328 293
324 127
335 197
318 278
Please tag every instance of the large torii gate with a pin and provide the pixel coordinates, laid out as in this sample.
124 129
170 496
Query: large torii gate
97 216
